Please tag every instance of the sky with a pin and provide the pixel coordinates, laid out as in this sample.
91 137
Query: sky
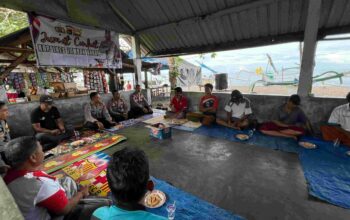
241 64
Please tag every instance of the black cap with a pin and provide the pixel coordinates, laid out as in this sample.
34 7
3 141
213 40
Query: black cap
46 99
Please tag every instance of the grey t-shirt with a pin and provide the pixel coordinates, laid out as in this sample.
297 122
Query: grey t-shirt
296 117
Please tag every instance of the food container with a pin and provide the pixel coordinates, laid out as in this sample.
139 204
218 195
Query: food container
160 131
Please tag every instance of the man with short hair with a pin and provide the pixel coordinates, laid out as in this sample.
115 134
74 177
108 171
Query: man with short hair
338 124
208 106
128 177
239 112
117 107
96 114
38 195
138 104
290 120
178 105
48 125
4 135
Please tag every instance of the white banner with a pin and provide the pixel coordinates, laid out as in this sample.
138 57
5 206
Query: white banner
60 43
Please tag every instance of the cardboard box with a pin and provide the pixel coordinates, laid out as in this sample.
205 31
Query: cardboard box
160 131
34 97
58 86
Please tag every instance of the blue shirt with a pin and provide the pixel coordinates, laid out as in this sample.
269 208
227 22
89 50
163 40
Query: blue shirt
113 212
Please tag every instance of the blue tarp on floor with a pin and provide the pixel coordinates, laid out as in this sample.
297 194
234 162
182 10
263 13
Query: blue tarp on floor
326 169
189 206
327 172
284 144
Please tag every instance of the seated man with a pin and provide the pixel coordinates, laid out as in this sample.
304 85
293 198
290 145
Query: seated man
178 105
4 135
139 104
48 124
339 124
208 106
239 112
38 195
96 114
128 177
290 122
117 107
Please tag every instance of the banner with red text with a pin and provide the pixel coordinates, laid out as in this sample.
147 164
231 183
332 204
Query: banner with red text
60 43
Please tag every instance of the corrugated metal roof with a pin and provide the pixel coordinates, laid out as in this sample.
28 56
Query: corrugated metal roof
192 26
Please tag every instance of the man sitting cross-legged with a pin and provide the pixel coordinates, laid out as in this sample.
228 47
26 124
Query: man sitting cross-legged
138 104
117 107
38 195
208 106
128 177
239 113
290 120
178 105
96 114
48 124
338 124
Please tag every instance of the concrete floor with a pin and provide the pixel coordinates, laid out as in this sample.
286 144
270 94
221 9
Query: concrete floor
253 182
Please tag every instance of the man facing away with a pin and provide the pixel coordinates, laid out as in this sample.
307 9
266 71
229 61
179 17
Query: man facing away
338 124
138 104
128 177
48 125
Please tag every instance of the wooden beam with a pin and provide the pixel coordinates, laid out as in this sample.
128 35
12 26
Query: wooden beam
13 65
11 61
310 42
16 49
24 39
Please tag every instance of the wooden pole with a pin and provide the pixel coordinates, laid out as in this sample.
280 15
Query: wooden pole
13 65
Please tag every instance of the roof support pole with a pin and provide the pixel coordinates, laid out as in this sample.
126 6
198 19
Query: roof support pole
136 50
310 43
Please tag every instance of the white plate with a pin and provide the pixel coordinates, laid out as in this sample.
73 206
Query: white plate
159 204
307 145
348 153
242 137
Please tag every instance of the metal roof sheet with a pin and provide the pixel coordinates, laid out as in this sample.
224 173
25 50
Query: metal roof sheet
168 27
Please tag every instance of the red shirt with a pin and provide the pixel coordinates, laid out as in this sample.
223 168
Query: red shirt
179 105
209 101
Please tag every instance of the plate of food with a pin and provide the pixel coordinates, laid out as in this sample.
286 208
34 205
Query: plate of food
154 199
307 145
77 143
242 137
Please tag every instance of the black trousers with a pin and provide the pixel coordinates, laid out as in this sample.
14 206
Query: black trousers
118 117
136 112
49 141
94 126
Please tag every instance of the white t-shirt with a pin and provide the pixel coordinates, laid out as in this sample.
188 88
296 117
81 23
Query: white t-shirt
240 110
341 116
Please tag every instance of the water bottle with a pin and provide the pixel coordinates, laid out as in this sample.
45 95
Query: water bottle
77 135
251 132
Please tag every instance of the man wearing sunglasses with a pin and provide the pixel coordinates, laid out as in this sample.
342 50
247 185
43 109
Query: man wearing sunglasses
48 124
